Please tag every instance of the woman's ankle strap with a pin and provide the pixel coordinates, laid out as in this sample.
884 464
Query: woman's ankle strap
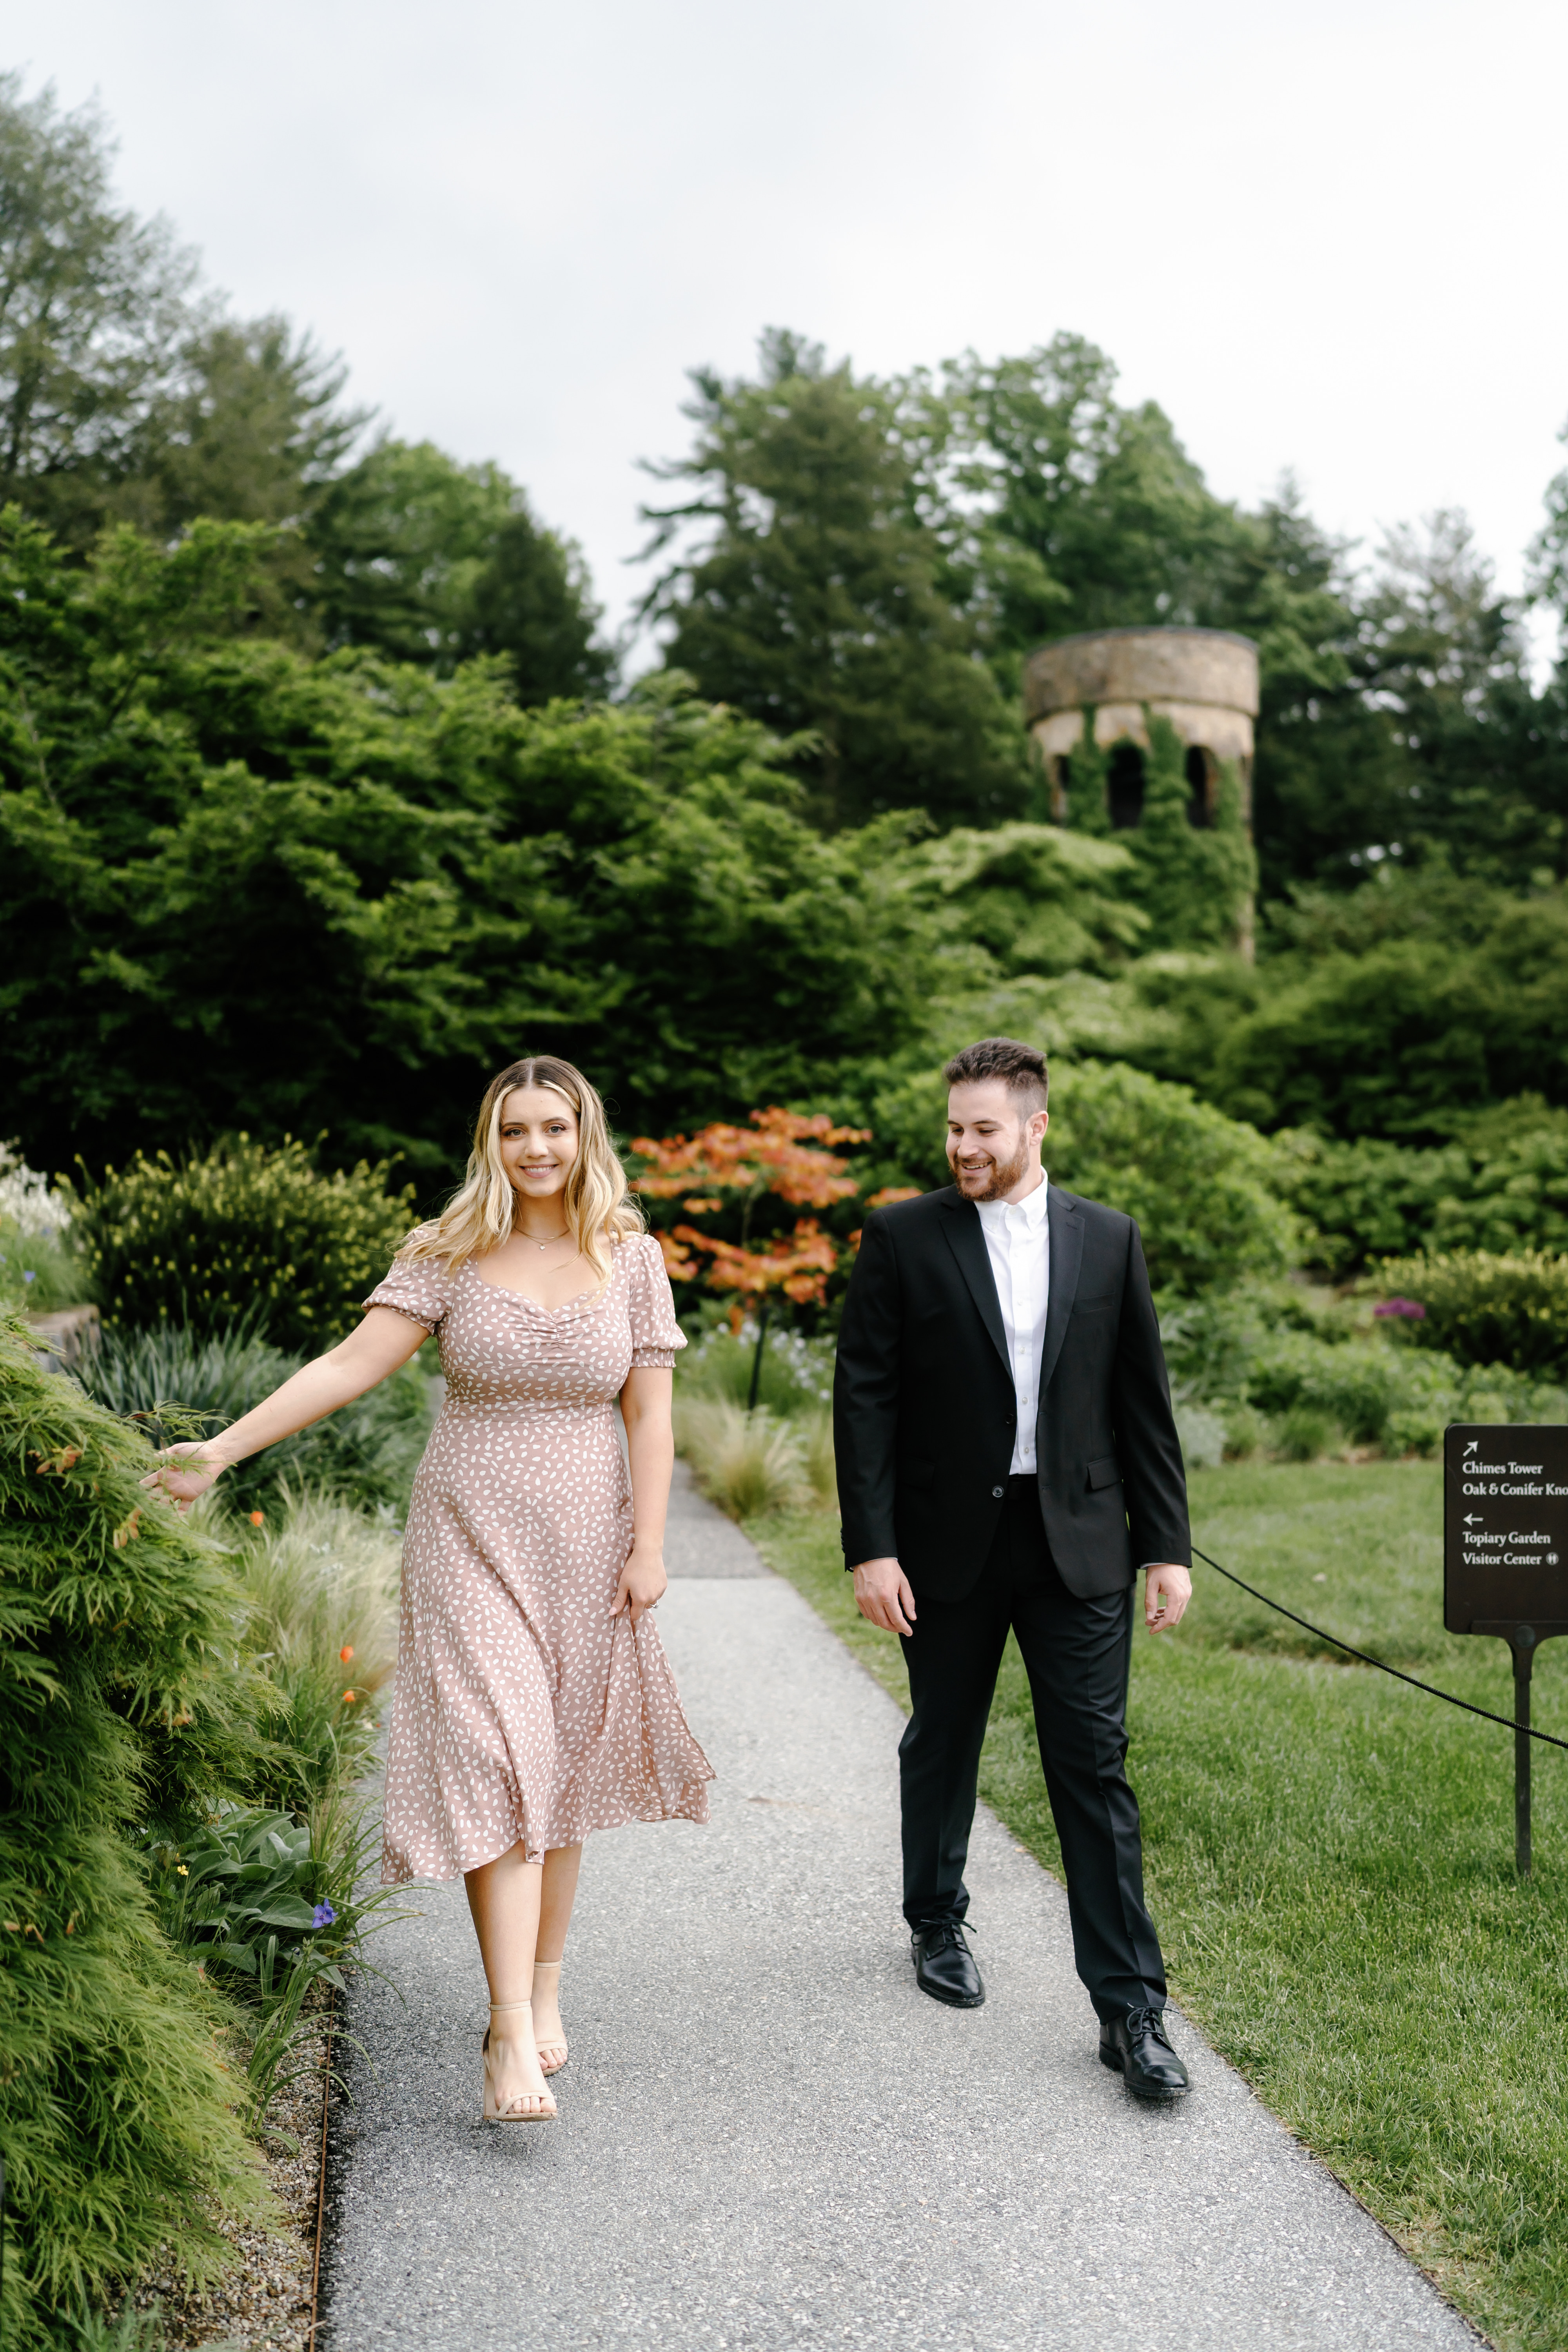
500 2008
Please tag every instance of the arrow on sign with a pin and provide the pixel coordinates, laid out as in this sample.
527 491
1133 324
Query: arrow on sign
1472 1520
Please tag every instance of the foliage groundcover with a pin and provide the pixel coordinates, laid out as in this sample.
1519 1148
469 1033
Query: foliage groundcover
122 1692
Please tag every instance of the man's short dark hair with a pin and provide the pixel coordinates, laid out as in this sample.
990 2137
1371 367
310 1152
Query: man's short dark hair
1022 1068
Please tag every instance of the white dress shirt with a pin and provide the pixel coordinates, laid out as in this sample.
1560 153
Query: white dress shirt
1018 1238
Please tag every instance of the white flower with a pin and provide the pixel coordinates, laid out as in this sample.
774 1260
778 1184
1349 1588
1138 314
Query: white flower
26 1199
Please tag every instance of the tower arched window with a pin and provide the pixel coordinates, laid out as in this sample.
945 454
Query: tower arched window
1124 786
1200 774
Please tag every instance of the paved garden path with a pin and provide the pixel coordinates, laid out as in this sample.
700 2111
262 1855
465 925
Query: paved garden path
769 2137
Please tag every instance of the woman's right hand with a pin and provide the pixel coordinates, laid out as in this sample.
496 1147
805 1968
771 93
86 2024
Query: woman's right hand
185 1471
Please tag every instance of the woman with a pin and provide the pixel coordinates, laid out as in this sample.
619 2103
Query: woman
533 1703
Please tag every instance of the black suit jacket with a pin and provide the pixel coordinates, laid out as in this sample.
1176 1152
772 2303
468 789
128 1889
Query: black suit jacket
923 1402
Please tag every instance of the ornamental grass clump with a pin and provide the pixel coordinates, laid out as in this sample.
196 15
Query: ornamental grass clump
321 1582
244 1233
747 1462
124 1692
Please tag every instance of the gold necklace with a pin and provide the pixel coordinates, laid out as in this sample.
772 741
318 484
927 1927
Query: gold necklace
554 1237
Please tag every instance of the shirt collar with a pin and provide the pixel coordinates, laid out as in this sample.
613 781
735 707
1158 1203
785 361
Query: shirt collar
1032 1210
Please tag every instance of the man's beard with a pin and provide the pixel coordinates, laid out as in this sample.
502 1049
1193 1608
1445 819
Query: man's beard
1003 1175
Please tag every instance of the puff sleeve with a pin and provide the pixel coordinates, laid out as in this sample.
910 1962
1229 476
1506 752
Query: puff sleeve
417 1287
650 1307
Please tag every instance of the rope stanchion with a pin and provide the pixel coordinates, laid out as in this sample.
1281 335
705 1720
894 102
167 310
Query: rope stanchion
1507 1721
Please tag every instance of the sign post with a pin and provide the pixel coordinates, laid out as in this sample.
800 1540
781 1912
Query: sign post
1505 1559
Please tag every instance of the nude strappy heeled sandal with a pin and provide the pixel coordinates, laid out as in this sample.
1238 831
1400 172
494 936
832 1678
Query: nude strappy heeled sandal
552 1968
493 2113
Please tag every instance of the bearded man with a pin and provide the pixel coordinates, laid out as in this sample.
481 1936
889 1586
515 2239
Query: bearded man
1008 1458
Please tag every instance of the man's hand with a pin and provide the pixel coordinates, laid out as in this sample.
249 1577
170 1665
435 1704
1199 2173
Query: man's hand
1166 1592
882 1590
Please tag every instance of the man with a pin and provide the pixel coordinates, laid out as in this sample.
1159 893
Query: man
1008 1458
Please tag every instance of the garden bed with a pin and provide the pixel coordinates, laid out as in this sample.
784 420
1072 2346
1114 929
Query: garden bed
264 2301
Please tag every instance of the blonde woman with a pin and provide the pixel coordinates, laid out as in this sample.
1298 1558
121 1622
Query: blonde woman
533 1702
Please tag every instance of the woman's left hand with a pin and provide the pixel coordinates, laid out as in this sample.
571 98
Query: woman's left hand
642 1583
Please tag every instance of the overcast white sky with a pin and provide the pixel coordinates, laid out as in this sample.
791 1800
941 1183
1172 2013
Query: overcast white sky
1328 236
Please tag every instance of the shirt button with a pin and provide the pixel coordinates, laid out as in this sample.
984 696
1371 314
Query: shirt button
997 1492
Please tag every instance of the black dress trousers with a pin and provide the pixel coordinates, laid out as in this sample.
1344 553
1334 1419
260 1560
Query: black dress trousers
1076 1654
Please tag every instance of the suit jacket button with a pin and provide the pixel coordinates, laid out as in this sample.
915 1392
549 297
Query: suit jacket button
997 1492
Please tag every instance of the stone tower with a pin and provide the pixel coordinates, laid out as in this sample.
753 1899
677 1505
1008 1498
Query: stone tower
1148 733
1204 681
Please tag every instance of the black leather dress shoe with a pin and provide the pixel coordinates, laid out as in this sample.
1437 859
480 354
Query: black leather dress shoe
944 1965
1136 2046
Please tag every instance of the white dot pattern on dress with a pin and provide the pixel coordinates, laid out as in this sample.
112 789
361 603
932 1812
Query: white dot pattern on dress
523 1712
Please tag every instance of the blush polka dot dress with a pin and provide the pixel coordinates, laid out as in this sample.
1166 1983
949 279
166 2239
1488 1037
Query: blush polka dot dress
523 1712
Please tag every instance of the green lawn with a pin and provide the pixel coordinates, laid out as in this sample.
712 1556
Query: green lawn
1330 1858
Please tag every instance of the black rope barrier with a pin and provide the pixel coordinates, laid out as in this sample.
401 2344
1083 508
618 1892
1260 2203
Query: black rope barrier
1367 1659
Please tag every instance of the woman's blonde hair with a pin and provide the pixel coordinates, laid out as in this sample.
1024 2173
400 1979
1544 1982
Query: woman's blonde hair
599 1210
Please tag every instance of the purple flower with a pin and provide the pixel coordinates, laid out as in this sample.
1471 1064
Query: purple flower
323 1915
28 1275
1411 1309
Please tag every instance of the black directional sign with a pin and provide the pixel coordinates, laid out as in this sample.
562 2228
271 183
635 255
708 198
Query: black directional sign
1505 1530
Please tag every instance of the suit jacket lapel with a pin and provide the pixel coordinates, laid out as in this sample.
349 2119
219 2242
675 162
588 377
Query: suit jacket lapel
1067 1256
967 1243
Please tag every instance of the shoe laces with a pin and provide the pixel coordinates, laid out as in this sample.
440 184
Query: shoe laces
945 1934
1146 2020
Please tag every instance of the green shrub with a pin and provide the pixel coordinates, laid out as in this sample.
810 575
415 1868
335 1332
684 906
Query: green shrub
1501 1186
1245 1433
1306 1434
1417 1428
1200 1185
1274 1349
1356 1384
242 1235
366 1452
1482 1308
121 1686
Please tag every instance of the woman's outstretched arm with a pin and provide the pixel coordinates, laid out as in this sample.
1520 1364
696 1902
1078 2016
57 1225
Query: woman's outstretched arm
645 1403
383 1342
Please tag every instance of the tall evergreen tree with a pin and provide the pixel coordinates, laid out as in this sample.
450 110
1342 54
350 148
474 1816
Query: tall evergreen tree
251 430
421 559
820 595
